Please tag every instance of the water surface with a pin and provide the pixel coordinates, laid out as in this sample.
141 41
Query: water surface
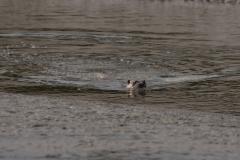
188 52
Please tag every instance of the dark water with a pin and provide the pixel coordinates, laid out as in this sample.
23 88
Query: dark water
188 52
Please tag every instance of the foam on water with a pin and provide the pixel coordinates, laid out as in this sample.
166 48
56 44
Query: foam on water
188 78
100 83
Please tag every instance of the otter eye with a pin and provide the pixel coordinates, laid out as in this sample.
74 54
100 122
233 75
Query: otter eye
128 81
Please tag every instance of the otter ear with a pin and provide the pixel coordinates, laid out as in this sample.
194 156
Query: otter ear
144 82
128 81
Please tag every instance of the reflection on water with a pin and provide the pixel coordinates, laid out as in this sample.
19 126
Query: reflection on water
188 51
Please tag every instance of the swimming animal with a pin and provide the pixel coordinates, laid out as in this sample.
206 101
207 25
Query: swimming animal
136 85
136 88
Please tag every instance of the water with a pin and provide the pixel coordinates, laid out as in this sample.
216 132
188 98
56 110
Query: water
183 47
187 51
